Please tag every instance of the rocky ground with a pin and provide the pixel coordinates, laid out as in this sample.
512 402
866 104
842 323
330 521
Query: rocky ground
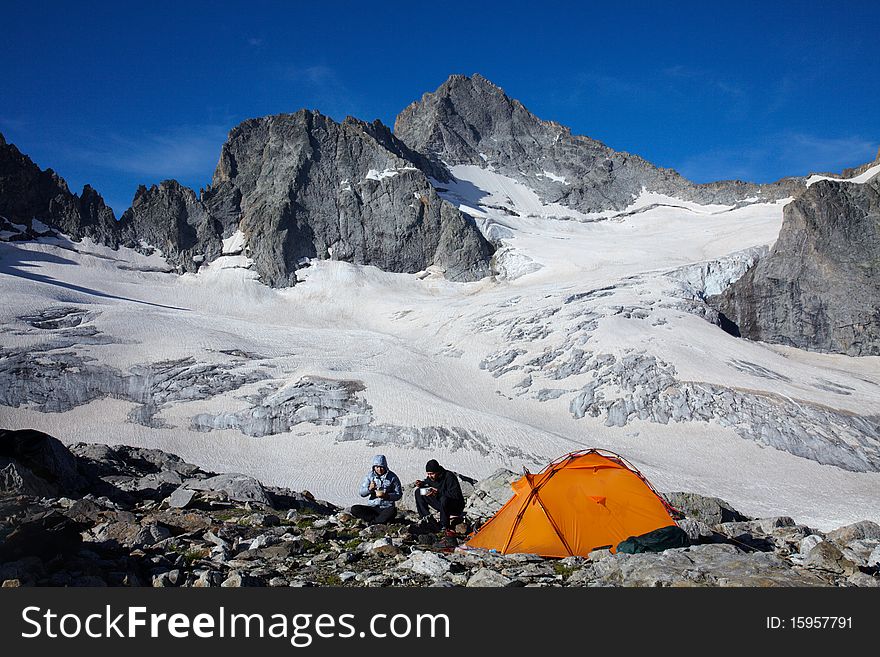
93 515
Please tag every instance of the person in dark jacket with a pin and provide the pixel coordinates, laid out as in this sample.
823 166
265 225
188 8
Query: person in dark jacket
440 491
383 489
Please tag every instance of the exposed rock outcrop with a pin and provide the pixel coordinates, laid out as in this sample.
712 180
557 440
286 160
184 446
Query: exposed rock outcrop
170 217
302 186
28 192
819 288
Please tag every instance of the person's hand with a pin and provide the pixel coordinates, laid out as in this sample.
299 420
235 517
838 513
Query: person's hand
372 486
419 483
431 492
380 493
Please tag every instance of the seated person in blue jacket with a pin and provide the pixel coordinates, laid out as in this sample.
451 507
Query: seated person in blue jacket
383 489
440 491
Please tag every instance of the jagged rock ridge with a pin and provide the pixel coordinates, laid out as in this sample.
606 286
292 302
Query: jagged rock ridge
298 186
469 120
28 192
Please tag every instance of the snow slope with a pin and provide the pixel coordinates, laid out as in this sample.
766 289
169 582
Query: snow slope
561 351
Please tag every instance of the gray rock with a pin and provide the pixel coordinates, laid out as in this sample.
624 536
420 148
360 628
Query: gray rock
819 287
825 556
15 478
170 218
302 186
599 555
427 563
855 531
181 498
238 487
864 580
150 535
490 494
42 456
208 579
238 579
808 543
701 565
166 579
484 577
696 530
860 551
708 510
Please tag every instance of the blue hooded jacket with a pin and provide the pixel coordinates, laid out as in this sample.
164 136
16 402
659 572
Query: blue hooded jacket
389 482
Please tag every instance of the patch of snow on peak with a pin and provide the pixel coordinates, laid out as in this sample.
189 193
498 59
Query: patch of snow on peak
373 174
553 177
234 244
858 180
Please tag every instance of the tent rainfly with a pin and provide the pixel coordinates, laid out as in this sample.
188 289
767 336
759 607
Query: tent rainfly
581 502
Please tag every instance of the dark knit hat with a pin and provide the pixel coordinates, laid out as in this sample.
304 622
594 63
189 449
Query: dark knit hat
433 466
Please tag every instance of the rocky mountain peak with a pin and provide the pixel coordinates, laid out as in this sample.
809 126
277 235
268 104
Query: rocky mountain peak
471 121
463 119
302 186
28 192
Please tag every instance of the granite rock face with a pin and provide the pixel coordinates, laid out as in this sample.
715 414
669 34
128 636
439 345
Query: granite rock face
170 217
298 186
469 120
819 288
28 192
302 186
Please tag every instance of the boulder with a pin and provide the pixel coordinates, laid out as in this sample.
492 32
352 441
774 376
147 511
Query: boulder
826 556
484 577
46 534
855 531
15 478
180 498
427 563
238 487
708 510
238 579
696 530
490 494
43 456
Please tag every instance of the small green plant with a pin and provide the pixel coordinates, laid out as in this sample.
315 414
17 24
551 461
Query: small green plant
562 569
328 579
230 514
190 555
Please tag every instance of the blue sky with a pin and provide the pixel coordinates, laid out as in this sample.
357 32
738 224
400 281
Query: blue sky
116 94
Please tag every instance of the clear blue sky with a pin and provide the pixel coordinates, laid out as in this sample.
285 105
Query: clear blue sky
117 94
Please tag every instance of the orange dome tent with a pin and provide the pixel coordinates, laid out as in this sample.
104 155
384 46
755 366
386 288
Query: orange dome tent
580 502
